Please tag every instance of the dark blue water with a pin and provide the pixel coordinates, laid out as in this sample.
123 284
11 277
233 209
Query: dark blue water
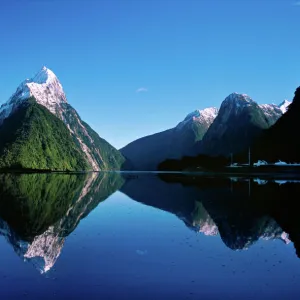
111 240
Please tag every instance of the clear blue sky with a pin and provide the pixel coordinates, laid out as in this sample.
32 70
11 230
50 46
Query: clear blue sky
188 54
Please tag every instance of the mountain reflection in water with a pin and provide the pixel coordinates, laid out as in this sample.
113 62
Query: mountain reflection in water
240 210
39 211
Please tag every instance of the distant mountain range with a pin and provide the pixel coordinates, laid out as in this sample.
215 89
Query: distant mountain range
146 153
211 131
239 121
39 130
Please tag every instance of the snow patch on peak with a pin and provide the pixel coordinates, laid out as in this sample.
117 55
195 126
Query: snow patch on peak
233 104
271 110
194 114
44 87
238 99
206 115
43 76
284 106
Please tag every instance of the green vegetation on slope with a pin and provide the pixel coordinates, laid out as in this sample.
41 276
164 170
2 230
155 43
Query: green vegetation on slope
33 138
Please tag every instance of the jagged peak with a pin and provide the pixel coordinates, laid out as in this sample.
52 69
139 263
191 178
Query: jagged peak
285 101
196 113
43 76
44 87
206 112
233 97
236 101
206 115
284 105
271 111
270 107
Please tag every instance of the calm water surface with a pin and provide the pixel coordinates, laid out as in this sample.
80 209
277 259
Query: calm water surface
140 236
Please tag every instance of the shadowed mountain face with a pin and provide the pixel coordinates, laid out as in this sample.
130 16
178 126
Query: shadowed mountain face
241 211
239 121
281 142
38 211
210 132
148 152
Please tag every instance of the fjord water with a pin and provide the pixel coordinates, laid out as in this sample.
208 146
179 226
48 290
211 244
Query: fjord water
144 236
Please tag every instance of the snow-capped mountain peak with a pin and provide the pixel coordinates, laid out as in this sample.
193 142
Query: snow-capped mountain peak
194 114
210 112
46 90
44 87
238 99
43 76
284 105
206 115
271 110
233 104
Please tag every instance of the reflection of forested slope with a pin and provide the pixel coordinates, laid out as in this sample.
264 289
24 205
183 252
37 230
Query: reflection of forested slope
98 187
39 210
30 203
211 206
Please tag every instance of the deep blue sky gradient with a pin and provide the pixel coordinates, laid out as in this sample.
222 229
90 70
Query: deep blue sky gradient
189 54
